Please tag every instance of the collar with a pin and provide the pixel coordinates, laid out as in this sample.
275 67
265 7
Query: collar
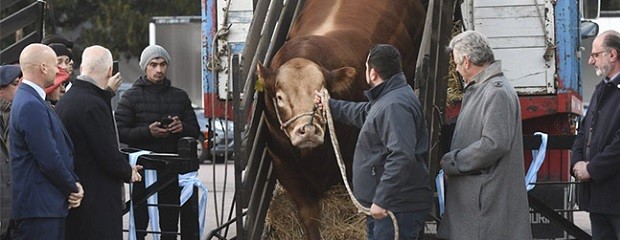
88 79
396 81
36 87
494 69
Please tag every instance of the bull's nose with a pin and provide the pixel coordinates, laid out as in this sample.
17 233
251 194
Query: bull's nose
307 129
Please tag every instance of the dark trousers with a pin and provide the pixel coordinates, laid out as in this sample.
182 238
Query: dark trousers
409 226
40 228
605 226
169 216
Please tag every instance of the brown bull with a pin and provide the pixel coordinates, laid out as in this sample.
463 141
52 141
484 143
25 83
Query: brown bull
327 47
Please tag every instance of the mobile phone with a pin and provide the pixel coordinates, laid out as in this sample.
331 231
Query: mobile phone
165 121
114 68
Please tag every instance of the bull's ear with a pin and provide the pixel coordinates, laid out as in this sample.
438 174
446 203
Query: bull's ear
340 80
264 77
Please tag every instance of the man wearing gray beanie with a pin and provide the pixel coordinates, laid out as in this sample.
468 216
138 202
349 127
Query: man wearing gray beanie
153 115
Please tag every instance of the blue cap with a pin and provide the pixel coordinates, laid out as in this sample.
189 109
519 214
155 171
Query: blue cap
8 74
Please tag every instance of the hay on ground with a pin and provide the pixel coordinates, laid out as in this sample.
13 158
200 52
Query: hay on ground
339 217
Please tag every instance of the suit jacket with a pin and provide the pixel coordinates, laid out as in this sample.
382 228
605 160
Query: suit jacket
102 168
602 126
42 158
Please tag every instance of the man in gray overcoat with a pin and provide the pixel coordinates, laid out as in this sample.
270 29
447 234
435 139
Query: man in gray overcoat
485 191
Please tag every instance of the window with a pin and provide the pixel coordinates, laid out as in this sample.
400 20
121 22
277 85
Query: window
610 8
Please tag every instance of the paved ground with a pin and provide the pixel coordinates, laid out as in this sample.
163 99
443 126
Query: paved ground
220 180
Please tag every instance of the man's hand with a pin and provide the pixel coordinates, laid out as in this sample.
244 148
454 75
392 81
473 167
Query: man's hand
75 199
377 212
158 132
580 170
135 176
176 126
114 82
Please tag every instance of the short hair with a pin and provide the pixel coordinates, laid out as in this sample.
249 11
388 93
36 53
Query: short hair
611 40
385 59
472 44
96 60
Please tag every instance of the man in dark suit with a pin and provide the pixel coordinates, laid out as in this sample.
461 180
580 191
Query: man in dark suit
44 184
102 168
596 151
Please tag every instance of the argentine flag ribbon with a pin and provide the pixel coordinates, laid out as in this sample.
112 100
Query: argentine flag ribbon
188 181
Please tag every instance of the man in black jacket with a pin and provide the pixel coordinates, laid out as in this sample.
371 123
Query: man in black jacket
389 172
596 151
153 115
87 115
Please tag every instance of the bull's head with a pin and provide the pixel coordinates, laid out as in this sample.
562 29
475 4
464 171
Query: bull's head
291 90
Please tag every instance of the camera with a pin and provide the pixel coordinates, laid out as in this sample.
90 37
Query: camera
165 121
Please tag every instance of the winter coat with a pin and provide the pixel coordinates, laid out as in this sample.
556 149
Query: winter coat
145 103
5 167
602 122
87 115
485 188
388 164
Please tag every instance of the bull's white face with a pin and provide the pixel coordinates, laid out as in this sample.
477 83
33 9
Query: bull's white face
295 86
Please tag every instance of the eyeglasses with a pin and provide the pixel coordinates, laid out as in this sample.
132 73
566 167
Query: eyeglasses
596 54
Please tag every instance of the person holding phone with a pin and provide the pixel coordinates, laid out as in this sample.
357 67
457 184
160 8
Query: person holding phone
153 115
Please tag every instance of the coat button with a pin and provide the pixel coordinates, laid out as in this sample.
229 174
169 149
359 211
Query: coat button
452 164
373 171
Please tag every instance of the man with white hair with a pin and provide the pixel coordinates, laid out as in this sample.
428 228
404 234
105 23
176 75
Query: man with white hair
102 168
44 184
485 192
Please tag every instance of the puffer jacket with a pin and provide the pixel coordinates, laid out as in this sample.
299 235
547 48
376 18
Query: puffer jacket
145 103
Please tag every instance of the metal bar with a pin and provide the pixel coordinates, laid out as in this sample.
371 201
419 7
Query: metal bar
557 219
20 19
149 191
252 39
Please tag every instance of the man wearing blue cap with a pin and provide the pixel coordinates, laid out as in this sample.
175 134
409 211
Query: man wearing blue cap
10 76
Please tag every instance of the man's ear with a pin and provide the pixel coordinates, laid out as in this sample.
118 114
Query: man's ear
265 78
339 81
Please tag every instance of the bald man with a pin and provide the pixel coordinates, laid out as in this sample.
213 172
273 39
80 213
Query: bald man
44 184
102 168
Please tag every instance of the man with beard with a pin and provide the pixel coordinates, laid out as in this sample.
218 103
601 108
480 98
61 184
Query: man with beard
596 151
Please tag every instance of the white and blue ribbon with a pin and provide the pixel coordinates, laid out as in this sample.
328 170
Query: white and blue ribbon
150 177
188 181
538 157
440 192
133 159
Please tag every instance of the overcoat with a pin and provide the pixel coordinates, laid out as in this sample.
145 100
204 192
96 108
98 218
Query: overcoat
602 125
485 187
87 115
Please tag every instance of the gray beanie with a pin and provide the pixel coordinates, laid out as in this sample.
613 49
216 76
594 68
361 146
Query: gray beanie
152 52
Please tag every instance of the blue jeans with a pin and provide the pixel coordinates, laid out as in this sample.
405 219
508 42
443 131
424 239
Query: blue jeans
409 226
605 226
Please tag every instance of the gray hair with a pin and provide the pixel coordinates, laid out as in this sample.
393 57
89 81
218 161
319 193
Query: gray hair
611 40
472 44
96 61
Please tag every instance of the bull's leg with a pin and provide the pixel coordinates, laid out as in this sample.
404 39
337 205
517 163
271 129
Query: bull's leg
305 196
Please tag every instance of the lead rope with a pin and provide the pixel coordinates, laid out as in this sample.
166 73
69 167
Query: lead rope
343 171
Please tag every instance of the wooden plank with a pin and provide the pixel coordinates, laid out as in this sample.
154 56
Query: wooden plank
509 27
518 42
495 3
510 11
526 67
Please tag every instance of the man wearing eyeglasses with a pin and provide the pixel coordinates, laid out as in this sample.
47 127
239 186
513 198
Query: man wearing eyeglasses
596 152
